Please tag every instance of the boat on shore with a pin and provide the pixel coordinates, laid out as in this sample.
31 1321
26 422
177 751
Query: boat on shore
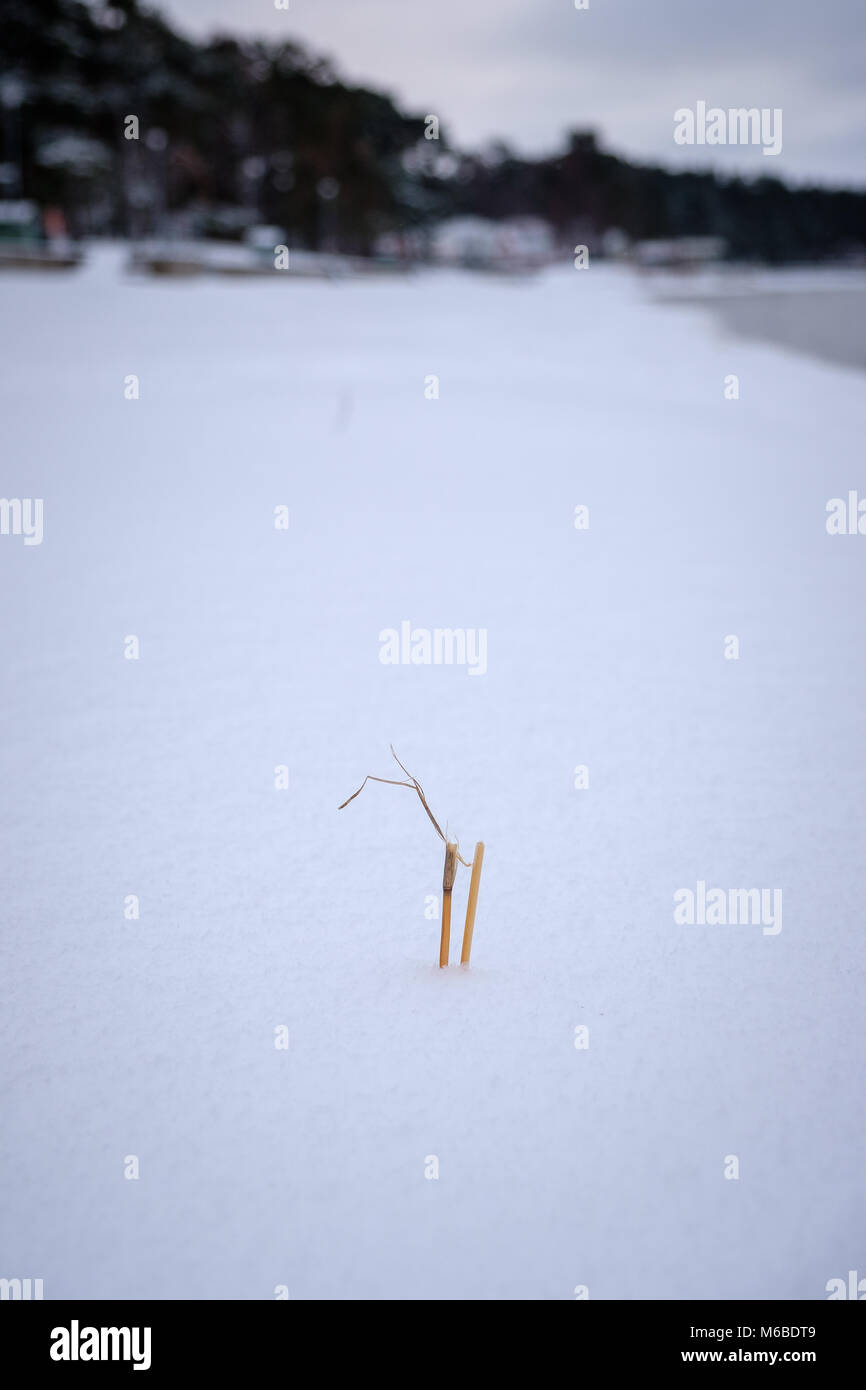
255 257
25 244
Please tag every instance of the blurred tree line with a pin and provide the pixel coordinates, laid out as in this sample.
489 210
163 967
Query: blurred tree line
233 132
588 190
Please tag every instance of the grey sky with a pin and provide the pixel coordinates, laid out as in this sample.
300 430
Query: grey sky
527 70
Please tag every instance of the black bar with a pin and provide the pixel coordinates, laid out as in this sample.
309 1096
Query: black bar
222 1338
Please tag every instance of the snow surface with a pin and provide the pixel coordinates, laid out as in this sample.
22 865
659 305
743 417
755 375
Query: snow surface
558 1167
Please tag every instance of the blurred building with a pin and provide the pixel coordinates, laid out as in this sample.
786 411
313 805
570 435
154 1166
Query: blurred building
516 243
679 253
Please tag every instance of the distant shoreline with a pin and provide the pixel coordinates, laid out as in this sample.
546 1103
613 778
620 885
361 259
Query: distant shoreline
828 323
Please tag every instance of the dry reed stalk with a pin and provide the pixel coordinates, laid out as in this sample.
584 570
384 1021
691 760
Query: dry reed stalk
447 885
472 903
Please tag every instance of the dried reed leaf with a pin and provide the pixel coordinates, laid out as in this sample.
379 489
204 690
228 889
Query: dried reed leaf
414 785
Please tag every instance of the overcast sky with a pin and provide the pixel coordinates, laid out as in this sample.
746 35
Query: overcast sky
527 70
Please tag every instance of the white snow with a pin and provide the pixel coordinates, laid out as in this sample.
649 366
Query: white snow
259 908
